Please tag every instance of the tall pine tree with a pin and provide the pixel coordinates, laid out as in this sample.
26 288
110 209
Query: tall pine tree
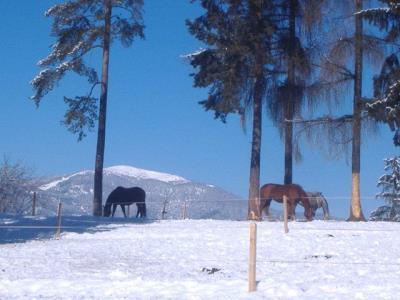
80 27
356 213
298 21
235 67
341 68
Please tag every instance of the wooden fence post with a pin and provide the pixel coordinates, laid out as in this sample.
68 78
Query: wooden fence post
34 204
252 257
285 214
58 232
184 212
163 212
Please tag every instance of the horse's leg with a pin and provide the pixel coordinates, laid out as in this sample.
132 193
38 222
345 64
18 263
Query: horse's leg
137 210
294 211
291 208
114 208
123 209
266 207
314 211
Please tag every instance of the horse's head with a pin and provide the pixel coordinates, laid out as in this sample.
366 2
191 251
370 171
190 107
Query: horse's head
107 210
308 211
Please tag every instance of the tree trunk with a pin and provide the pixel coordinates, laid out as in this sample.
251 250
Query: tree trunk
356 213
289 105
254 212
101 134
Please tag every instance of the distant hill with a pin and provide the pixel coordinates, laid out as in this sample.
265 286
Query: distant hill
202 200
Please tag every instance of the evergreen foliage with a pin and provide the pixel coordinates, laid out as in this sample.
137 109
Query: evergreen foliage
390 182
341 66
238 50
385 107
78 27
387 92
297 21
236 66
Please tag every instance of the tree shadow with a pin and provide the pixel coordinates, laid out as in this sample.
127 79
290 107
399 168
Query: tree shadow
20 229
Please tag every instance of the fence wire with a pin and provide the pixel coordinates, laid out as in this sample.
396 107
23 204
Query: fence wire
219 262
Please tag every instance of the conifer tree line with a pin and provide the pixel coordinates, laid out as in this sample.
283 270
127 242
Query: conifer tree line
286 60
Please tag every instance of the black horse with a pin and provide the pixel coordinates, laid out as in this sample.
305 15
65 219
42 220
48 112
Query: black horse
126 196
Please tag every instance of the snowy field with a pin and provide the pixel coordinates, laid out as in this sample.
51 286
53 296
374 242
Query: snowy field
95 259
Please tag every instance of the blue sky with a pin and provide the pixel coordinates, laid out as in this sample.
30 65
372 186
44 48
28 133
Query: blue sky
154 121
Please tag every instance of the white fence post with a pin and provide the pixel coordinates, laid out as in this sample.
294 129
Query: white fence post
252 257
285 214
58 232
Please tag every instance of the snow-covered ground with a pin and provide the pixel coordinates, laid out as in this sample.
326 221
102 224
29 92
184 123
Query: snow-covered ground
96 259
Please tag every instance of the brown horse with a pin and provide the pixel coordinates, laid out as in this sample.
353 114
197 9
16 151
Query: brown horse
294 192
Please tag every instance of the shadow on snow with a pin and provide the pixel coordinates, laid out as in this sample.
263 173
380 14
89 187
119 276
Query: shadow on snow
19 229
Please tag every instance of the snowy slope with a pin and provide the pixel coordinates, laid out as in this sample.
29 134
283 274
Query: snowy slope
127 171
143 174
75 191
173 260
55 183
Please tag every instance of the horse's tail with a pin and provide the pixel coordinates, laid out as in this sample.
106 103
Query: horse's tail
325 207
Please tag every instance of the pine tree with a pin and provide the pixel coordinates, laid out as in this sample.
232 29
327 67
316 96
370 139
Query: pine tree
81 27
386 106
235 67
390 182
356 213
297 20
344 64
342 68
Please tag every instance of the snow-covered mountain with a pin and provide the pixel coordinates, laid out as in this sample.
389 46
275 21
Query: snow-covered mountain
75 191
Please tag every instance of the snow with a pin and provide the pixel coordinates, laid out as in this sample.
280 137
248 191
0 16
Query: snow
97 259
122 171
375 10
55 183
193 54
39 76
143 174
